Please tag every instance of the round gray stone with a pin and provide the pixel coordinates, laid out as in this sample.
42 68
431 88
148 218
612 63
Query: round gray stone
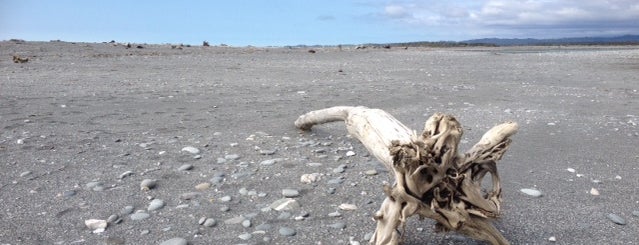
290 193
155 204
209 222
285 231
338 225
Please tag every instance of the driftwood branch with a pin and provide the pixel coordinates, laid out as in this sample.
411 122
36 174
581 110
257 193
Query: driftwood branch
432 179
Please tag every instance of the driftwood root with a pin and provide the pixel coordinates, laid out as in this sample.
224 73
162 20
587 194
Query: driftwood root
432 179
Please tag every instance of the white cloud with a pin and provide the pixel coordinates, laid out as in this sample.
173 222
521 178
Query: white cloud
509 18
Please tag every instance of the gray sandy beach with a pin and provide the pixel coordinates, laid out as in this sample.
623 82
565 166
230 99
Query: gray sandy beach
83 125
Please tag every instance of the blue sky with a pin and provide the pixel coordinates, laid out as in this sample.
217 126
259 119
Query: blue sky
328 22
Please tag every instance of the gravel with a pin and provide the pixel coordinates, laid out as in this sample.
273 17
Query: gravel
98 131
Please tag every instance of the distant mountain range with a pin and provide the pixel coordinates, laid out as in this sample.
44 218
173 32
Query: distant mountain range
619 40
626 39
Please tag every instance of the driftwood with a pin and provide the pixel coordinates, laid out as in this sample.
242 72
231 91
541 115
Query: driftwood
432 179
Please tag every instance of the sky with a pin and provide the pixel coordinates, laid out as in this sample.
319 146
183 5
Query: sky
312 22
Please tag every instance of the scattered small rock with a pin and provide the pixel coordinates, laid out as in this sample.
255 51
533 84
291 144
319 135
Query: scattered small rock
263 227
285 231
246 223
234 220
245 236
552 239
189 195
148 184
310 178
209 222
125 174
232 157
616 219
126 210
350 153
191 149
175 241
338 225
290 193
594 192
97 225
155 204
185 167
532 192
225 199
203 186
347 206
285 204
140 216
371 172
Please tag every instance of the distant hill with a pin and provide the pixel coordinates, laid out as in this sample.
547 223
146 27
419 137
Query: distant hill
626 39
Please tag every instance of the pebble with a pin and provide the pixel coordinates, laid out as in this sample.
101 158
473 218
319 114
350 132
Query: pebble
371 172
140 216
68 193
285 231
268 162
285 204
225 199
25 173
532 192
267 152
175 241
284 215
290 193
225 208
245 236
189 195
203 186
125 174
552 239
246 223
201 221
155 204
220 160
234 220
335 214
148 184
113 219
347 206
95 185
572 170
263 227
209 222
350 153
126 210
191 149
314 164
185 167
338 225
635 213
336 181
97 225
616 219
594 192
232 157
310 178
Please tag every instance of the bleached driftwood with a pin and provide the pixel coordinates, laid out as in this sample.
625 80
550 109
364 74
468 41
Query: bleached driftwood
432 179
